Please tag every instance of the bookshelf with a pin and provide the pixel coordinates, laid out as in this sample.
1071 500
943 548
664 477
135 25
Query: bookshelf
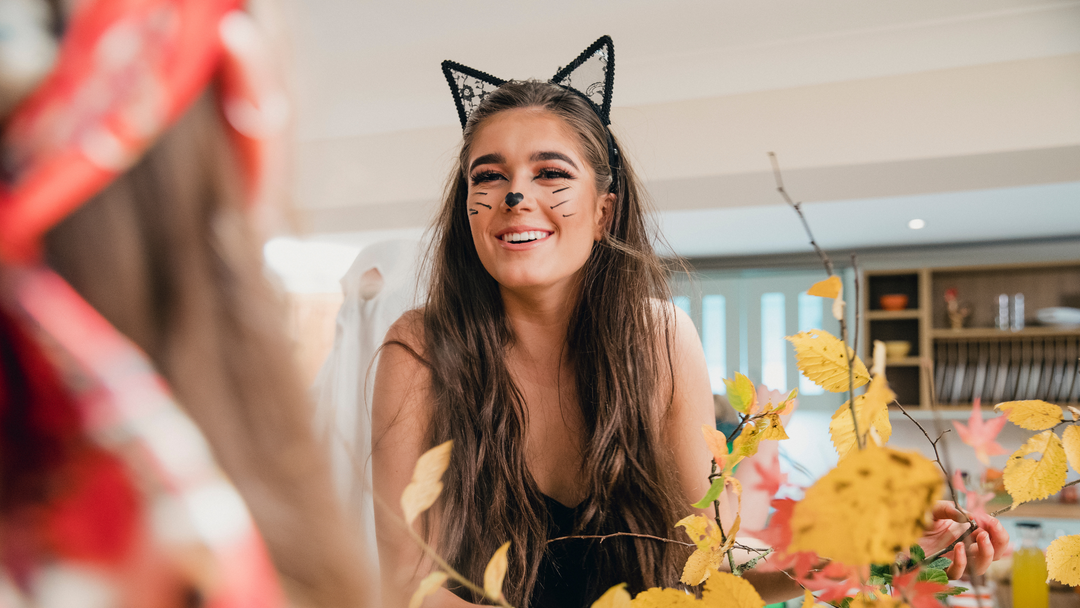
956 365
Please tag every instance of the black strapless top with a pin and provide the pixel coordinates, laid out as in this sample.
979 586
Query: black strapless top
570 574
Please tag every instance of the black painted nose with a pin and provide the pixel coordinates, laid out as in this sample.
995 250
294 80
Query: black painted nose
513 198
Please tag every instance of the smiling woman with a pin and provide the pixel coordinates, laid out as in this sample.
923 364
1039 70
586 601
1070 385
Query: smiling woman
551 215
547 352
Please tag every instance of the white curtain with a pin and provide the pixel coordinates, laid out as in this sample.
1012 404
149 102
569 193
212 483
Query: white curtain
382 283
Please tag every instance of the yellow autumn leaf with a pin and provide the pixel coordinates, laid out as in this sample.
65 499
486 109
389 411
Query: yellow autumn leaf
665 598
872 410
1034 415
775 430
808 599
1028 479
725 590
616 597
1070 439
1063 560
787 405
495 572
717 444
741 393
746 444
829 288
426 482
700 564
429 585
873 505
823 358
702 531
711 543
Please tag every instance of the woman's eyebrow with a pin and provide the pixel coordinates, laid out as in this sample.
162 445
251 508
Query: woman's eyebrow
487 159
553 156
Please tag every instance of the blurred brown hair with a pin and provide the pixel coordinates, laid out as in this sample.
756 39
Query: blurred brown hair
166 253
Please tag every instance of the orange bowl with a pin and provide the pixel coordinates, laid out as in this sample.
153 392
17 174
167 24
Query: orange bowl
893 301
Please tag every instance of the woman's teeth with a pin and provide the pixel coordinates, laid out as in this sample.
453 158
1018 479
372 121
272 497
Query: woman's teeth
523 237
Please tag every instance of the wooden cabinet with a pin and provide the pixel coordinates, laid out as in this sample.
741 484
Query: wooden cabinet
978 359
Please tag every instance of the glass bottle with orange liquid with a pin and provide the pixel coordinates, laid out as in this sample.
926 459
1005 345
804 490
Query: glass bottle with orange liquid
1029 587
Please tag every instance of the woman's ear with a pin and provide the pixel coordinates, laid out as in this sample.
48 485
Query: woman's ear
605 211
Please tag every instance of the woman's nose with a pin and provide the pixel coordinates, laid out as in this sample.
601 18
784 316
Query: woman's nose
513 198
518 197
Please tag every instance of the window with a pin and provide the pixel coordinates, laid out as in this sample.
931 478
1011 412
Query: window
743 317
714 340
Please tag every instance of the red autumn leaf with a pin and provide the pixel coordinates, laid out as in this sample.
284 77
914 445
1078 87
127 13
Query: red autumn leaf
836 581
919 594
778 531
770 476
975 503
980 434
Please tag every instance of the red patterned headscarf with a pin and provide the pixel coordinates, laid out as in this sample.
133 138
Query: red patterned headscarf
107 488
126 71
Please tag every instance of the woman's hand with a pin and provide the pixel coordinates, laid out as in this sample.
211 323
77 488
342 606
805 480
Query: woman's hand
986 544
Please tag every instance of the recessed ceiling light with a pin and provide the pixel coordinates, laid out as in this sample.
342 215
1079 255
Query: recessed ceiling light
916 224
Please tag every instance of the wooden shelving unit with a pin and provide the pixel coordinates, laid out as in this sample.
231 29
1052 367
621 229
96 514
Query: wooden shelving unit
878 315
1042 509
981 333
978 359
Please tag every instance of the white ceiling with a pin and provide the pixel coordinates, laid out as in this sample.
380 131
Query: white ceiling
368 67
966 113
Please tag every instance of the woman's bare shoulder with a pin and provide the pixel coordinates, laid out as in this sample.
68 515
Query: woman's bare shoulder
407 331
402 376
677 326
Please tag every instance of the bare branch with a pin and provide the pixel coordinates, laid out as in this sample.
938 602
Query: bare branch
855 270
798 209
943 460
603 537
933 444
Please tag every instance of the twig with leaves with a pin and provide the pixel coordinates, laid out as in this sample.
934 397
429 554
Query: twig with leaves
838 308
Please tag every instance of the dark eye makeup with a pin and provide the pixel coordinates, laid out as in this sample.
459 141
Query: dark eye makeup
553 174
486 176
549 173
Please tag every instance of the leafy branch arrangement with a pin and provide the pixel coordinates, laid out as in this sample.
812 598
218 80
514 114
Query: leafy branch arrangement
852 538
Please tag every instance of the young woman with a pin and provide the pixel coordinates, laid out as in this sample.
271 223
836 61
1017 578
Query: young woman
548 352
573 394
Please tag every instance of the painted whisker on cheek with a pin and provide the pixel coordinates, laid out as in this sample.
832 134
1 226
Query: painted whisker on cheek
561 189
479 203
473 212
569 214
562 203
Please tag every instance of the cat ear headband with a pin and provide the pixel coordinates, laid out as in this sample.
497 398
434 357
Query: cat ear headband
591 76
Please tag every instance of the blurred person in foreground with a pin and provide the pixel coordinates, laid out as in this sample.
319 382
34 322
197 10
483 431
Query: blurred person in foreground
137 140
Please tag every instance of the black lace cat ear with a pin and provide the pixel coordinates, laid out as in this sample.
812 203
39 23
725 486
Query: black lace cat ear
469 87
592 74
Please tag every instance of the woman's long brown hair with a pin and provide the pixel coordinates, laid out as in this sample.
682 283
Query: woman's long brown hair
166 254
619 343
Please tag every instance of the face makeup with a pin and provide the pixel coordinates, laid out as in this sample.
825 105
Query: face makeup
543 235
